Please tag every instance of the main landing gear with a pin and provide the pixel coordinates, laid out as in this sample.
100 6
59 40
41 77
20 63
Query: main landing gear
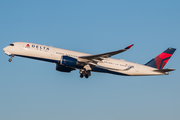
10 59
85 73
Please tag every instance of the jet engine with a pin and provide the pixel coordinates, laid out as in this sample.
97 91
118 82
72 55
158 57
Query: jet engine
68 61
63 68
66 64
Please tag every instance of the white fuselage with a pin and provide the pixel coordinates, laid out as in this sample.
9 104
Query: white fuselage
52 54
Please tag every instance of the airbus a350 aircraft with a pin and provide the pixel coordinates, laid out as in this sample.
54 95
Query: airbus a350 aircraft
67 61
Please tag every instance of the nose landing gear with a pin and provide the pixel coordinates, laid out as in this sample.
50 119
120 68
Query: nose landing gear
10 59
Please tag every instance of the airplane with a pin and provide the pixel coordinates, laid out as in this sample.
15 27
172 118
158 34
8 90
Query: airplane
67 60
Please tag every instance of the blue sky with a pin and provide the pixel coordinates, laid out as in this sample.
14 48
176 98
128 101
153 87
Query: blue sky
31 89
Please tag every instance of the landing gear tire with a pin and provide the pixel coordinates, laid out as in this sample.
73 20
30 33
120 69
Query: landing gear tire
85 73
86 76
10 60
81 76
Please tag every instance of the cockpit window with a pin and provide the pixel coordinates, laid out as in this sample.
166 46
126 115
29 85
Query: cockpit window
11 44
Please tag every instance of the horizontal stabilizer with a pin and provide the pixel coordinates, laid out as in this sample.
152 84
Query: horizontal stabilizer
164 70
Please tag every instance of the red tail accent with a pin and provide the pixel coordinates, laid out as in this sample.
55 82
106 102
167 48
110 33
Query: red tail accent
160 61
166 60
165 55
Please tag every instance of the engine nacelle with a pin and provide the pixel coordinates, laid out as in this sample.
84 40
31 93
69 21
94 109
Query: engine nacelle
63 68
68 61
66 64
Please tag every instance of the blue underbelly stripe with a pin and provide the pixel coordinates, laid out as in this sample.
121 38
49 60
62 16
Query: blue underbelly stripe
42 59
93 69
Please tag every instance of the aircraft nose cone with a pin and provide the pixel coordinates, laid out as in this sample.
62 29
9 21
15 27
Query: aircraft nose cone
4 49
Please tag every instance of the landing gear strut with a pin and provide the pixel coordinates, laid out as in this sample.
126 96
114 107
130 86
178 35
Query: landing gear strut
10 59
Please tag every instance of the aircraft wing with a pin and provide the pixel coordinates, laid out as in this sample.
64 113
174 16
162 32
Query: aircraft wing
105 55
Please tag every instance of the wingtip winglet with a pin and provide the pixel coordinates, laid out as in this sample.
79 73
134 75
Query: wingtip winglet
128 47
